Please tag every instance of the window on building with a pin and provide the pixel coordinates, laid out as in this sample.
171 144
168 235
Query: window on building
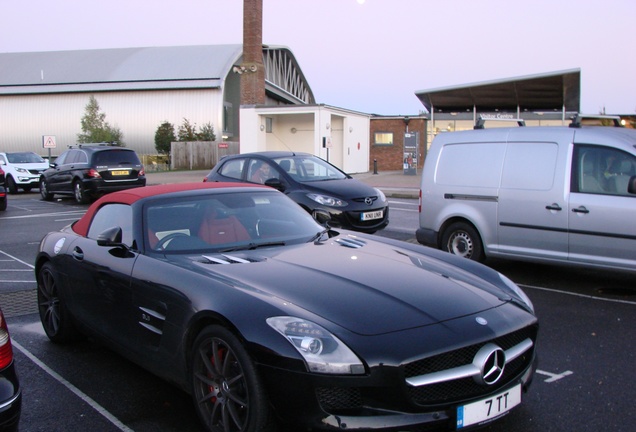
383 138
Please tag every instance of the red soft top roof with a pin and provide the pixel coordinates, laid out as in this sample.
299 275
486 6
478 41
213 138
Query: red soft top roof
131 196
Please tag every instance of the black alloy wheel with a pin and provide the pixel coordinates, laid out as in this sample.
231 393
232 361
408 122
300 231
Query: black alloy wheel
44 191
227 391
80 192
12 187
56 321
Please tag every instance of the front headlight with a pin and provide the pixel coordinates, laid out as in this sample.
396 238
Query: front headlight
327 200
517 291
322 351
21 170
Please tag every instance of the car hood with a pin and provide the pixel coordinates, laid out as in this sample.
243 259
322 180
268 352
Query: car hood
364 286
41 166
344 188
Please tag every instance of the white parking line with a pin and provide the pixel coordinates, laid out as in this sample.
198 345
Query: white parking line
554 377
92 403
17 259
587 296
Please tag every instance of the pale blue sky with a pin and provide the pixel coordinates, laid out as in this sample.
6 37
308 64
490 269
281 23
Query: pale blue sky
368 55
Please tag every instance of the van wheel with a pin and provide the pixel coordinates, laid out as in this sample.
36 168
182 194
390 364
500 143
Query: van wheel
463 240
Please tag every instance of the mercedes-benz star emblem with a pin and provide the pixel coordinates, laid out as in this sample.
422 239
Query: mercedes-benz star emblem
491 361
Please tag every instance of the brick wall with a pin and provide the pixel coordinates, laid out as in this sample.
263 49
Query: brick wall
391 157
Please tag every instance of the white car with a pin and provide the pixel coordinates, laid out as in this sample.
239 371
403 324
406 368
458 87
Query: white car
22 170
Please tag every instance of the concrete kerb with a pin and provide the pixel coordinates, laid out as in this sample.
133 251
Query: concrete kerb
394 184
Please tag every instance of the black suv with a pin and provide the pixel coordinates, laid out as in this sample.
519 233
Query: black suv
88 171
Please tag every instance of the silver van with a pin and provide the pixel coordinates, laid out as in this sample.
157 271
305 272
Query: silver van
546 194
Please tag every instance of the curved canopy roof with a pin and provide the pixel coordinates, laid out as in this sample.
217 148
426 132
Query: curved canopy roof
151 68
551 91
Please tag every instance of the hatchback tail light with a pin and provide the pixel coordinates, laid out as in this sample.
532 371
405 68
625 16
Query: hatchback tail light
6 350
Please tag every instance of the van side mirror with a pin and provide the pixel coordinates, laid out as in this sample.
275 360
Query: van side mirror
631 186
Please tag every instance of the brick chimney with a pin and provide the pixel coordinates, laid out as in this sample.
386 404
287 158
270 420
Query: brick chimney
253 71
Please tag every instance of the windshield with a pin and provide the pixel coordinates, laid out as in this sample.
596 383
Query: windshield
218 222
16 158
309 169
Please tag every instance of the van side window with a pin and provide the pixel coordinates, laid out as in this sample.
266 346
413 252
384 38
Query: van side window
602 170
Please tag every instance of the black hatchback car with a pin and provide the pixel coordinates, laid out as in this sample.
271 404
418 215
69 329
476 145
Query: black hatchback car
319 187
87 171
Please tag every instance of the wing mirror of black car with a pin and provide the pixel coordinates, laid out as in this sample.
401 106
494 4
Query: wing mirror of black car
275 183
631 186
322 217
110 237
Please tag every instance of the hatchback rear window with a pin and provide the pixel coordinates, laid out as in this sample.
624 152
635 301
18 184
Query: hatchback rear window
116 157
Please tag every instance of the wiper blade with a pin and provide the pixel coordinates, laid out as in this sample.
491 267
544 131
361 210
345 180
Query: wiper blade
252 246
318 236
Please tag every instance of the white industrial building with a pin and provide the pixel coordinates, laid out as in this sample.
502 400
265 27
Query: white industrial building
46 93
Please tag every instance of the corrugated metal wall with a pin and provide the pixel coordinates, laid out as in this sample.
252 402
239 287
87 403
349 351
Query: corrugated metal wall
25 119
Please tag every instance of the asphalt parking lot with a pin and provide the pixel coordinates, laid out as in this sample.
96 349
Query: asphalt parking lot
587 348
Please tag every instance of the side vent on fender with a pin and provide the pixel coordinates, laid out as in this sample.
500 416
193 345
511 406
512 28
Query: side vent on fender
351 242
226 259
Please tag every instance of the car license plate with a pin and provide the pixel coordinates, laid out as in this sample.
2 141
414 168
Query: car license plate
372 215
120 173
488 409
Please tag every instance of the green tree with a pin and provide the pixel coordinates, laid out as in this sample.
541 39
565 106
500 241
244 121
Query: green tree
187 131
164 136
206 133
95 128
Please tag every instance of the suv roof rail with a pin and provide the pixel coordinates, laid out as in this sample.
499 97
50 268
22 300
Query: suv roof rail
481 120
601 120
80 145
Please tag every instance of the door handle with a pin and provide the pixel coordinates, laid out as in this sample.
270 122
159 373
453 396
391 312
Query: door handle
78 254
553 206
581 209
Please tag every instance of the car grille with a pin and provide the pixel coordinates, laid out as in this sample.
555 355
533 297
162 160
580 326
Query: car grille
459 389
343 399
339 398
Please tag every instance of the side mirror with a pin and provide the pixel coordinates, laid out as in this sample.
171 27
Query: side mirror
275 183
110 237
322 217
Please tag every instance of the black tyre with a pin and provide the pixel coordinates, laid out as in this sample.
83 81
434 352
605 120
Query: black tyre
80 192
461 238
227 390
44 191
11 186
55 319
